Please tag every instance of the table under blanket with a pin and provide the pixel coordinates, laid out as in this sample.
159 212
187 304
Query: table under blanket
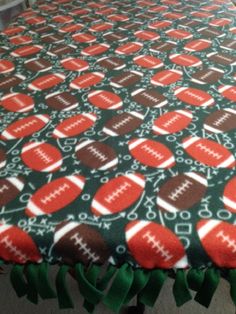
117 148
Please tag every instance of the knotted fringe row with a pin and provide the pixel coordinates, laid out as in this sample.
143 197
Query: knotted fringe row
116 287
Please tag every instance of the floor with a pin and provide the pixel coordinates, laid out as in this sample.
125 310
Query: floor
10 304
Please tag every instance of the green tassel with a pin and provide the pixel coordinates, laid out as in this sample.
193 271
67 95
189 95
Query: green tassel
18 281
87 289
63 295
91 276
180 288
31 274
232 281
207 290
119 289
101 284
151 291
195 278
140 280
44 287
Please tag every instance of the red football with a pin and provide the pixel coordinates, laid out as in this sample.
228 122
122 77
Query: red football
25 127
95 49
12 30
185 60
6 66
3 158
26 51
104 99
35 20
100 27
181 192
17 102
77 242
123 123
62 19
84 37
46 81
129 48
96 155
74 64
193 96
20 40
10 187
62 101
172 122
208 152
166 77
179 34
17 246
55 195
118 194
218 240
229 195
74 125
228 91
71 28
160 24
146 35
220 121
151 153
154 246
87 80
147 61
220 22
41 156
118 17
198 45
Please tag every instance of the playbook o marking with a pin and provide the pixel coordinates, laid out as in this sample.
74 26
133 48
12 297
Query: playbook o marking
15 152
224 214
127 157
120 249
16 159
179 159
151 215
85 197
185 215
171 138
170 216
24 198
83 216
205 214
104 180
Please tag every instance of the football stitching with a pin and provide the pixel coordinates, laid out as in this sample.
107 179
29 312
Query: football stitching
122 123
126 78
25 126
166 76
222 119
226 239
87 79
54 194
172 120
194 96
13 249
105 98
96 153
39 64
18 101
149 97
119 191
157 246
152 62
224 58
45 81
152 152
9 80
209 151
62 100
180 190
74 124
43 156
3 188
83 246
